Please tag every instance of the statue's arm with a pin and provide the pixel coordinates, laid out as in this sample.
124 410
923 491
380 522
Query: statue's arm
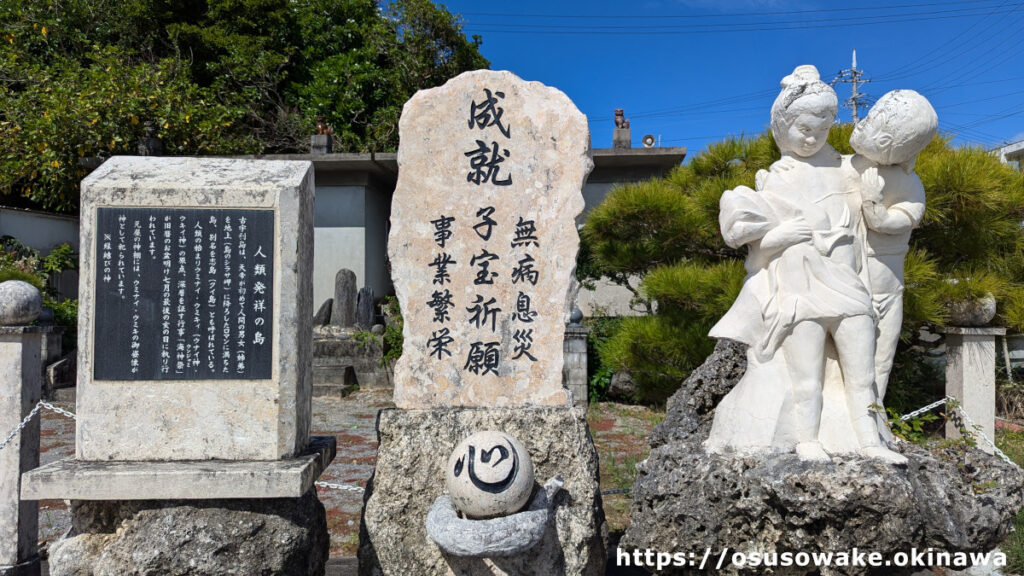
742 217
898 218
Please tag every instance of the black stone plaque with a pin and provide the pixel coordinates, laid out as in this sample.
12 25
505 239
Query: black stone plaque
183 294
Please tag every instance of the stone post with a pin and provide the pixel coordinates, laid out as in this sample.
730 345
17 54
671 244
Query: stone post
346 292
321 144
971 376
622 138
574 370
20 388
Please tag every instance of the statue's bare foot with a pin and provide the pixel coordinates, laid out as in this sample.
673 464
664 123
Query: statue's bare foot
884 454
812 451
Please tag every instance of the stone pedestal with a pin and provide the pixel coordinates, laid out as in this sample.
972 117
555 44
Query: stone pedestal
971 377
409 477
956 499
321 144
20 389
574 371
622 138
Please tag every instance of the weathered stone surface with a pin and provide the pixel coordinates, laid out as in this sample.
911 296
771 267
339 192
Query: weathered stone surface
519 166
574 370
333 353
278 537
71 479
19 391
685 499
20 303
343 311
253 419
497 537
414 445
622 387
323 315
62 373
489 474
690 410
365 313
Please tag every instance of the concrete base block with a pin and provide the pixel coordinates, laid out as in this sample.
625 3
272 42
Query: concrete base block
71 479
409 477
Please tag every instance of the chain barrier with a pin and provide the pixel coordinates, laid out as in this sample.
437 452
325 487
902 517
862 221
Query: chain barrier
970 427
617 491
340 487
25 421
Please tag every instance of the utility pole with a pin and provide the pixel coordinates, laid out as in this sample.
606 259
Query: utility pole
854 77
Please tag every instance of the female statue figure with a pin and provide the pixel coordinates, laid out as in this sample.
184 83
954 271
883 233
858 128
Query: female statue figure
806 309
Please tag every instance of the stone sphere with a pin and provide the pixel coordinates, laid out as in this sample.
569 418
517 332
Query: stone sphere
489 474
20 303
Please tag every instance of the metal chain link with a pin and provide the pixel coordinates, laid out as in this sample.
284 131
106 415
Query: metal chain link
25 421
21 426
971 428
927 408
341 487
58 410
616 491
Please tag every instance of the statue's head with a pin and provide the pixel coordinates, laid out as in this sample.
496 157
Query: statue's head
803 112
896 129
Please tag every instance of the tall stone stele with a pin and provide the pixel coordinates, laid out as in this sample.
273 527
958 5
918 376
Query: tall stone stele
194 384
483 247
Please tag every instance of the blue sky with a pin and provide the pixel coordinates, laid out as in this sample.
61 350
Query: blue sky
694 71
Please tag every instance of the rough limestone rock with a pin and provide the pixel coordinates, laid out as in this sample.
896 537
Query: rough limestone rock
483 240
323 314
684 499
691 409
409 477
20 303
195 538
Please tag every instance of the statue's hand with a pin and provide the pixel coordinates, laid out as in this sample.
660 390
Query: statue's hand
787 233
871 185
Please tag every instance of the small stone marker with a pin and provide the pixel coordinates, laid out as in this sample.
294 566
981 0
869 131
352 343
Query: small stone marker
483 240
195 310
323 314
344 311
364 308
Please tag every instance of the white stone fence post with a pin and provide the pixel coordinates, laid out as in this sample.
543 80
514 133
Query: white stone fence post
971 377
20 389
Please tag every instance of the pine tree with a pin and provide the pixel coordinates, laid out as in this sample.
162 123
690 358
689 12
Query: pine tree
666 233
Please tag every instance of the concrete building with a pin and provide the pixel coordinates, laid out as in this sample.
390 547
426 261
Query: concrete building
1012 154
353 205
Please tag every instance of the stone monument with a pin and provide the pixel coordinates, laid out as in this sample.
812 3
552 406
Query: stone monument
784 413
483 245
194 400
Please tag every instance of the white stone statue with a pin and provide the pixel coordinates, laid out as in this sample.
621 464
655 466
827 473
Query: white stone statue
816 228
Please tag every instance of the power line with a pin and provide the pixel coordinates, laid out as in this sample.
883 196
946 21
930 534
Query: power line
716 28
929 55
728 15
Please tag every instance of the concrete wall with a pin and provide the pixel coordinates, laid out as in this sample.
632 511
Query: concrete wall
39 230
339 237
42 231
